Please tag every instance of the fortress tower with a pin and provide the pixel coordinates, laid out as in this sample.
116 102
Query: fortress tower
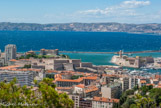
120 53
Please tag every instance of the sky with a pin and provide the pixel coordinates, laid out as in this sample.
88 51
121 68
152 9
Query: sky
85 11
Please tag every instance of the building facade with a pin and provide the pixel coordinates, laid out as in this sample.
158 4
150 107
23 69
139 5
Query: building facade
101 102
49 52
2 61
23 77
10 52
68 82
76 99
113 90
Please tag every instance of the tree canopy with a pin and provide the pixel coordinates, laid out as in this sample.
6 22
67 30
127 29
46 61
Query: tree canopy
76 76
44 96
143 97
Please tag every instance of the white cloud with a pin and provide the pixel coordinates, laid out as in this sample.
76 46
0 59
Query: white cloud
125 8
130 11
95 11
135 4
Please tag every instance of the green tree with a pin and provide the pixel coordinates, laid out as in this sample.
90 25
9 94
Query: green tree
76 76
64 56
156 95
44 97
145 89
147 97
125 95
144 102
133 106
27 66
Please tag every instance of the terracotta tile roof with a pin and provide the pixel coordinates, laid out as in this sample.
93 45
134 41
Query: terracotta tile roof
13 60
91 78
87 74
158 86
63 88
110 75
69 80
60 92
52 71
150 84
155 79
58 76
80 85
24 59
67 71
103 83
102 99
9 67
143 81
157 76
91 89
18 68
30 69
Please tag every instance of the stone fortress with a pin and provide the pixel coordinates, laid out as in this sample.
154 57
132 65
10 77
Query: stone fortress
134 62
49 52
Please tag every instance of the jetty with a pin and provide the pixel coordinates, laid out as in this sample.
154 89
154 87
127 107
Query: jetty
131 52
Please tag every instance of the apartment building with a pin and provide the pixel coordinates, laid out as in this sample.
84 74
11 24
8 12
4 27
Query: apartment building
68 82
23 77
85 103
129 82
91 91
75 99
90 79
2 61
101 102
10 52
112 90
21 62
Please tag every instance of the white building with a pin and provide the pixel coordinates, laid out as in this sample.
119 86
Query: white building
76 99
128 82
10 52
111 91
23 77
101 102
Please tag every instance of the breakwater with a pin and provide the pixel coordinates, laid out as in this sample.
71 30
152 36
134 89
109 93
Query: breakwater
131 52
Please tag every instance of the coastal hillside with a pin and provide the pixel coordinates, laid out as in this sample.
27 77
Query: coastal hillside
85 27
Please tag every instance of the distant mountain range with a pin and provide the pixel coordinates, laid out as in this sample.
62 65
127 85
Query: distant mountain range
84 27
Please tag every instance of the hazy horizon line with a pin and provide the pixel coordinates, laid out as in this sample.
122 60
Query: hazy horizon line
76 22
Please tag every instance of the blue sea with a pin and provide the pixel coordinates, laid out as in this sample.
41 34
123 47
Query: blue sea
82 41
